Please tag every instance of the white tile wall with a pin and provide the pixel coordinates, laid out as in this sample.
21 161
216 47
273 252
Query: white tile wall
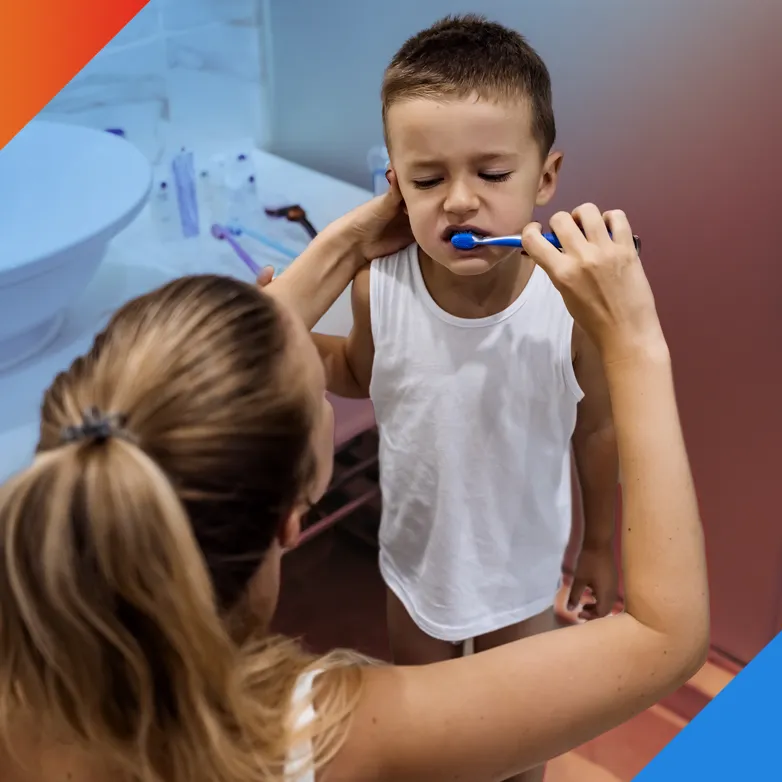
180 15
182 72
214 82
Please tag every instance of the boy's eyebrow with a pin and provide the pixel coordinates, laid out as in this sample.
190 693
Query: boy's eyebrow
483 157
489 157
424 162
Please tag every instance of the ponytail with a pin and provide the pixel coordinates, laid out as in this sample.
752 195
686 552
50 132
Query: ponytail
109 625
129 543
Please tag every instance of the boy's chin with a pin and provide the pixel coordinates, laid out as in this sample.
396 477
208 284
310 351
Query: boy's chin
470 264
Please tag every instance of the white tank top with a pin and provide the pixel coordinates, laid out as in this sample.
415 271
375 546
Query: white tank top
298 766
475 418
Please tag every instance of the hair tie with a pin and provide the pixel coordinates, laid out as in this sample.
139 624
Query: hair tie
95 426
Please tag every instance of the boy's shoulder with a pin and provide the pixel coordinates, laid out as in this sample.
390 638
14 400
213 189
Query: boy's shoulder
400 255
393 271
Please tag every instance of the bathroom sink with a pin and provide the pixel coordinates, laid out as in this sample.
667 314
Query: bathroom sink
65 192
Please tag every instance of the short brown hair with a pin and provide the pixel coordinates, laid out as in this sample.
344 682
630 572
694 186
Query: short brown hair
466 54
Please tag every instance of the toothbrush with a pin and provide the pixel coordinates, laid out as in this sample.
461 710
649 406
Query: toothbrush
238 230
468 241
293 214
223 234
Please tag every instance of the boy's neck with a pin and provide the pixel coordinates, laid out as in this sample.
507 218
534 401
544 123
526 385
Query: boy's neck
476 296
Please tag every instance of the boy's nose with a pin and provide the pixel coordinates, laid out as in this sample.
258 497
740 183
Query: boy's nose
461 199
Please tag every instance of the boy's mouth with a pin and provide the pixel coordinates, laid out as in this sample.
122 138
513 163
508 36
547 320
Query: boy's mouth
451 230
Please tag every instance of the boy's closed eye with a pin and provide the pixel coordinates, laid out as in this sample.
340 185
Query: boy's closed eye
429 182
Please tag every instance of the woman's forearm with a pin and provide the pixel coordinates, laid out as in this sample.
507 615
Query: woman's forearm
314 281
664 564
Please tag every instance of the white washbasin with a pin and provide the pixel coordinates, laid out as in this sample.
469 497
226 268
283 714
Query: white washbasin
65 192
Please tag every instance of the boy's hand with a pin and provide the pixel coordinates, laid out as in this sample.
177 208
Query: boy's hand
596 571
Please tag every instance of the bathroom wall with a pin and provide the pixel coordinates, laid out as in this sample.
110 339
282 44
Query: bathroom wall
671 111
181 72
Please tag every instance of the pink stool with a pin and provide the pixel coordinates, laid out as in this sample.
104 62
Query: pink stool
352 417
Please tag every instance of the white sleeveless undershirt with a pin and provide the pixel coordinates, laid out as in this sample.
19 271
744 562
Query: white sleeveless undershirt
298 767
475 418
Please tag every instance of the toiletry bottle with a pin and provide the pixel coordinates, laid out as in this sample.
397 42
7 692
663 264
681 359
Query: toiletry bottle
216 187
205 190
164 212
243 204
377 160
183 169
240 169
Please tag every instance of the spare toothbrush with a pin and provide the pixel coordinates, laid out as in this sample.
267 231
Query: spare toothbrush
223 234
469 241
238 230
293 214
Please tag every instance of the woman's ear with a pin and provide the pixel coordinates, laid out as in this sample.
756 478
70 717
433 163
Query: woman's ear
290 530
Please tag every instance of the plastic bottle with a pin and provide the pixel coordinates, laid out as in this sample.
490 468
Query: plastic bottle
164 212
242 192
377 160
183 168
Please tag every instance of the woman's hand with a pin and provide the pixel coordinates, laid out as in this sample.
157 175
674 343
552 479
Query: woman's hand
314 281
600 278
379 227
265 277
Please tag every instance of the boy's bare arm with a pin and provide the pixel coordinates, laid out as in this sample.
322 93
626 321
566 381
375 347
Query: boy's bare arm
597 465
348 360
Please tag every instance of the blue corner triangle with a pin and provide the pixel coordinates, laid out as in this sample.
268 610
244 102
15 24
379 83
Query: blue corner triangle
736 737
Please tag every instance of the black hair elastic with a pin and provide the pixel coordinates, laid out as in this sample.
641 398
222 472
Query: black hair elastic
95 426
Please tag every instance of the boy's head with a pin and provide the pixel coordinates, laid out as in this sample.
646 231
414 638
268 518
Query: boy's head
469 126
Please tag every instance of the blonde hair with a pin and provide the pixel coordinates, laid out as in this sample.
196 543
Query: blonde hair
121 557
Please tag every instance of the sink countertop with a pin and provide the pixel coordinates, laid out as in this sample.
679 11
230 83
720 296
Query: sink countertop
138 261
323 197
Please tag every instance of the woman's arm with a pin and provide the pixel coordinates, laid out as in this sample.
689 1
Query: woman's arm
314 281
489 716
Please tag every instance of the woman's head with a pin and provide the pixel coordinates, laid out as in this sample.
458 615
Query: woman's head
121 557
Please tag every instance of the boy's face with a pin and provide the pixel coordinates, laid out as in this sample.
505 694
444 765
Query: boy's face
468 163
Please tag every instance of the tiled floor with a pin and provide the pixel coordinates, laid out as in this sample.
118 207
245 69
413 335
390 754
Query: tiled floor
333 596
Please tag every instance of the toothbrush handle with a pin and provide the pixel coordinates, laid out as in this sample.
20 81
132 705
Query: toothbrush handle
259 237
515 241
506 241
553 239
248 261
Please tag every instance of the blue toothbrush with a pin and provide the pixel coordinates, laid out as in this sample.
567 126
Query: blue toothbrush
239 230
468 241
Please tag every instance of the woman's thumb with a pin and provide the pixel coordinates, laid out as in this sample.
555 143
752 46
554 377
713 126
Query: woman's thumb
265 276
540 249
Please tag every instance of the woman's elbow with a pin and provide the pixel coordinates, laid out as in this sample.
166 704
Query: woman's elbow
688 652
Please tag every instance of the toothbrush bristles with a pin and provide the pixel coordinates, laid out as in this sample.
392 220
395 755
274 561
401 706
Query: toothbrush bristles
464 241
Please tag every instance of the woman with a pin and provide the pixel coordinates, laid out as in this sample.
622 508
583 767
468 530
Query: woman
140 551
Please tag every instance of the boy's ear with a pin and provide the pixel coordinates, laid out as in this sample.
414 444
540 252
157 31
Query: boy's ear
549 178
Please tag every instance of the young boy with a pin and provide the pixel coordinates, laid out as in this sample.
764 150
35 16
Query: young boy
479 379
